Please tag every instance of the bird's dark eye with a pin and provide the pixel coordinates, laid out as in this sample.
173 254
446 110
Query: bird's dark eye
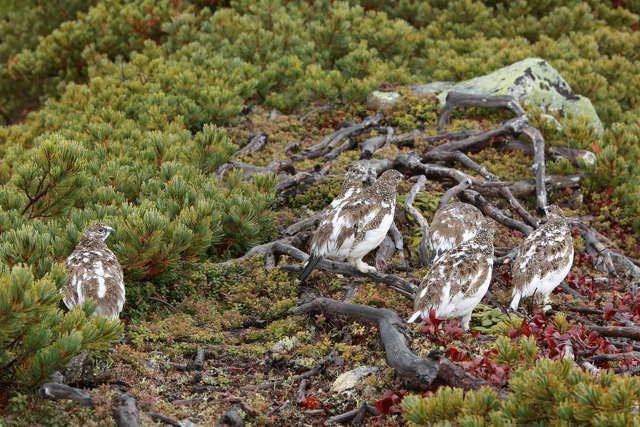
102 230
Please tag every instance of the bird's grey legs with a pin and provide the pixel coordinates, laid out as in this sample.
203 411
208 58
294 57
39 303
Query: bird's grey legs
465 321
362 266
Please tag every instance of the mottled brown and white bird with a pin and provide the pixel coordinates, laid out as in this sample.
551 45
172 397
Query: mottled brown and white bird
452 225
352 184
458 280
356 226
94 272
543 260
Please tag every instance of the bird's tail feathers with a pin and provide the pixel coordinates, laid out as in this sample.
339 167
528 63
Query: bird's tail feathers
515 301
309 266
415 316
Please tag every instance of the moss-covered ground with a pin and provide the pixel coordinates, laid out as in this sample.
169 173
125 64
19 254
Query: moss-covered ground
239 313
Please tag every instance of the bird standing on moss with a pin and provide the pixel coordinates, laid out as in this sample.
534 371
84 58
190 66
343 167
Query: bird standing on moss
452 225
458 280
543 260
356 226
94 272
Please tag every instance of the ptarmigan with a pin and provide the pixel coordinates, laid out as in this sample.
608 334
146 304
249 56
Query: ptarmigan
453 225
352 184
543 260
458 280
356 226
94 272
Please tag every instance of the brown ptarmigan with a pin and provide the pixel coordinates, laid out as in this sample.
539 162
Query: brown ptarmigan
543 260
94 272
452 225
356 226
352 184
458 280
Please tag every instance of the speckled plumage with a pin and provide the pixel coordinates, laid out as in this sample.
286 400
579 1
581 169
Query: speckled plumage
458 280
94 272
356 226
453 225
352 184
543 260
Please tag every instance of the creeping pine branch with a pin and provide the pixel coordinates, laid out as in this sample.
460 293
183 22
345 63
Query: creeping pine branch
421 220
458 99
396 283
334 140
420 373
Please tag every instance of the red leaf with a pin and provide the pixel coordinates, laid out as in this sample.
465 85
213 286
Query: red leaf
310 403
384 405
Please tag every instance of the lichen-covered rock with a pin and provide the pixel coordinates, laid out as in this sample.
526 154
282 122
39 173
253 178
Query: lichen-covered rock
350 379
379 99
430 88
531 81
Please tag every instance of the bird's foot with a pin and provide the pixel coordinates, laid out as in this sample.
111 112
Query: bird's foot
363 267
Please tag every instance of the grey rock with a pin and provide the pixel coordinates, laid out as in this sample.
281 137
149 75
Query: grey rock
379 99
531 81
430 88
350 379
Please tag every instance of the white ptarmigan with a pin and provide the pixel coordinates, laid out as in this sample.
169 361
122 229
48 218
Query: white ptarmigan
452 225
352 184
94 272
356 226
543 260
458 280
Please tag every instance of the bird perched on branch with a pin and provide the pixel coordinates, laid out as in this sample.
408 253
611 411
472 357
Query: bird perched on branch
356 226
352 184
458 280
452 225
94 272
543 260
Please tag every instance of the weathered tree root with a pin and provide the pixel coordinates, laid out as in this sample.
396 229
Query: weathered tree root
420 219
371 145
396 283
57 391
155 416
617 356
255 144
334 140
355 416
125 412
491 211
458 99
419 373
617 331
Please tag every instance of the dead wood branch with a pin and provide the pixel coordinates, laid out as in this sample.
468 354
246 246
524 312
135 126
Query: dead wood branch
310 222
384 253
617 356
458 99
374 167
267 250
256 143
489 210
155 416
57 391
355 416
290 186
453 136
510 127
556 152
198 362
275 167
617 331
320 109
371 145
398 241
125 412
538 166
417 371
469 163
568 289
333 140
420 219
397 283
231 418
420 373
300 395
527 187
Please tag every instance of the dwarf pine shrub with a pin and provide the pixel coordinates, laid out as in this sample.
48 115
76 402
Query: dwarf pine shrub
550 393
115 110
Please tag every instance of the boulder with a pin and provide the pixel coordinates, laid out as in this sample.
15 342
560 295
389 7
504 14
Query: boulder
380 100
531 81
